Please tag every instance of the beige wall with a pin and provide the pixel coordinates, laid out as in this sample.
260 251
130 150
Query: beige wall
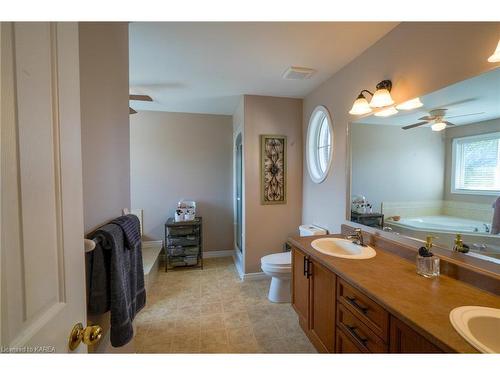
105 121
182 155
419 58
477 128
392 164
267 226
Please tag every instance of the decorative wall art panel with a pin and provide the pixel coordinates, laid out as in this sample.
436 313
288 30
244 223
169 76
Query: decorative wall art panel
273 169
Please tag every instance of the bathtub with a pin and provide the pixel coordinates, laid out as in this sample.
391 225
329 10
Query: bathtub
442 224
444 228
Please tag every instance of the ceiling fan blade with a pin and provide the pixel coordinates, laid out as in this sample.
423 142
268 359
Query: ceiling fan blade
427 118
449 123
143 98
468 114
131 111
414 125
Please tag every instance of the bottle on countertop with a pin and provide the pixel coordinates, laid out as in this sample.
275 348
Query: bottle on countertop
427 262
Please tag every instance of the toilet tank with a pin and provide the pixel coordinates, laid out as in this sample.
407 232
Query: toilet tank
311 230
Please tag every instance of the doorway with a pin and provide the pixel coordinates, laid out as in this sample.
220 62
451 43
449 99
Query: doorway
239 193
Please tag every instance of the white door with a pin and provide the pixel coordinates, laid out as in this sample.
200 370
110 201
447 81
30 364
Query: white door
42 256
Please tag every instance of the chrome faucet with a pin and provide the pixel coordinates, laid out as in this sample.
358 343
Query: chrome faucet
356 237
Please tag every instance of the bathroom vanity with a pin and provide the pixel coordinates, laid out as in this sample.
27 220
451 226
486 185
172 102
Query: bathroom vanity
378 305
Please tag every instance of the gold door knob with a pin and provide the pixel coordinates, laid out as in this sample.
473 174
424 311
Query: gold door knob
89 335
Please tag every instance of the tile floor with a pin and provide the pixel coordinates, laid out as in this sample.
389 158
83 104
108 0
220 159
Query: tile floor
213 311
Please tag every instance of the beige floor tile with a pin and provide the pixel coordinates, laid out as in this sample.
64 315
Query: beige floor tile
210 322
236 319
185 344
213 311
240 335
211 308
214 336
265 330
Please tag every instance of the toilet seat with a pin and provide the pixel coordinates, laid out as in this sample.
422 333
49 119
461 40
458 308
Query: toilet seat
278 262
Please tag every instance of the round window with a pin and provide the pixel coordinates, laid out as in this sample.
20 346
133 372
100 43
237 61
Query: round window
319 145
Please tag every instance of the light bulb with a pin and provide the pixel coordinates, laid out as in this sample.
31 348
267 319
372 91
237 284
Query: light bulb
438 126
386 112
410 104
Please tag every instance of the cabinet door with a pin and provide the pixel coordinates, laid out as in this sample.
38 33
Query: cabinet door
405 340
300 287
322 307
346 345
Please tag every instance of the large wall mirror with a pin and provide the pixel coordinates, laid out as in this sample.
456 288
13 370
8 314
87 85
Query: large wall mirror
433 170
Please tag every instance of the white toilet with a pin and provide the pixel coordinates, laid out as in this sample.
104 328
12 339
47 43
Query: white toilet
279 267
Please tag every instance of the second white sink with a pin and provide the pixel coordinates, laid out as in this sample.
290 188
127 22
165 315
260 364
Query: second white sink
479 325
342 248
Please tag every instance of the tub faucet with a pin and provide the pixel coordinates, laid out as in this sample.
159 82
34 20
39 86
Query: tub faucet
357 237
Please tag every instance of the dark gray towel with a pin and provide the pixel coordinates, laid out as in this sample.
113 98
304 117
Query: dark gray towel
131 227
116 281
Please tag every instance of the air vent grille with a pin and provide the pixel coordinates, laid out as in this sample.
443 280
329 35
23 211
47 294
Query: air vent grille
296 72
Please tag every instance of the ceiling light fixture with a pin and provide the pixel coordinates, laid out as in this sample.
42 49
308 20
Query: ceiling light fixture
438 126
380 99
386 112
410 104
496 55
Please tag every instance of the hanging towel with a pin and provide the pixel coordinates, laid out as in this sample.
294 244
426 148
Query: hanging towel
117 277
495 224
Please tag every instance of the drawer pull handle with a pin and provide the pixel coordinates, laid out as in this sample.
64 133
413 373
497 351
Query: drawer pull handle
309 268
353 302
353 332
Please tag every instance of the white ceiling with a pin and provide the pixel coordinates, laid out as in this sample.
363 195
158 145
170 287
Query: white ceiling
474 95
205 67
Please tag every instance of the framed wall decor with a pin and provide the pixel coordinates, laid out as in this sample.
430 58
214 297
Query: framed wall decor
272 169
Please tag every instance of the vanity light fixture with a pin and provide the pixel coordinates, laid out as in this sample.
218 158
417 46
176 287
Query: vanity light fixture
361 105
386 112
410 104
380 99
438 126
496 55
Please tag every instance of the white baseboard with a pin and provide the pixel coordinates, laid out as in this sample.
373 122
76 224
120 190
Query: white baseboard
254 276
218 254
157 243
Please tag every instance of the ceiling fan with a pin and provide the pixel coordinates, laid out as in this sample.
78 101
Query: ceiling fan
437 118
142 98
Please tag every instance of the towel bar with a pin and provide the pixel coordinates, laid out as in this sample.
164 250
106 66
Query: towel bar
90 244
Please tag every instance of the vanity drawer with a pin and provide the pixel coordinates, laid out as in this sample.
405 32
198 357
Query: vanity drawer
364 308
358 332
344 345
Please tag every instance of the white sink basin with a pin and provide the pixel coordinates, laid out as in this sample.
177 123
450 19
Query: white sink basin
342 248
480 326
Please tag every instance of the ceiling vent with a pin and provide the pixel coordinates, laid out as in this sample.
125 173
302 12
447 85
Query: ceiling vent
296 72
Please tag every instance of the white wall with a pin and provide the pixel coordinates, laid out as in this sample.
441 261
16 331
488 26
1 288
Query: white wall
419 58
105 121
392 164
182 155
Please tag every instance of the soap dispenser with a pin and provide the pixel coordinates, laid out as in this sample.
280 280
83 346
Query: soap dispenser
459 245
427 262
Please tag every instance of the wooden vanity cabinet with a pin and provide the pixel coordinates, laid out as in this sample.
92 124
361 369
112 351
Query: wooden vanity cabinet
405 340
313 298
339 318
300 287
322 307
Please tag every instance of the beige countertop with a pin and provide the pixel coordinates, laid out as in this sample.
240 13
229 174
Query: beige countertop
392 281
